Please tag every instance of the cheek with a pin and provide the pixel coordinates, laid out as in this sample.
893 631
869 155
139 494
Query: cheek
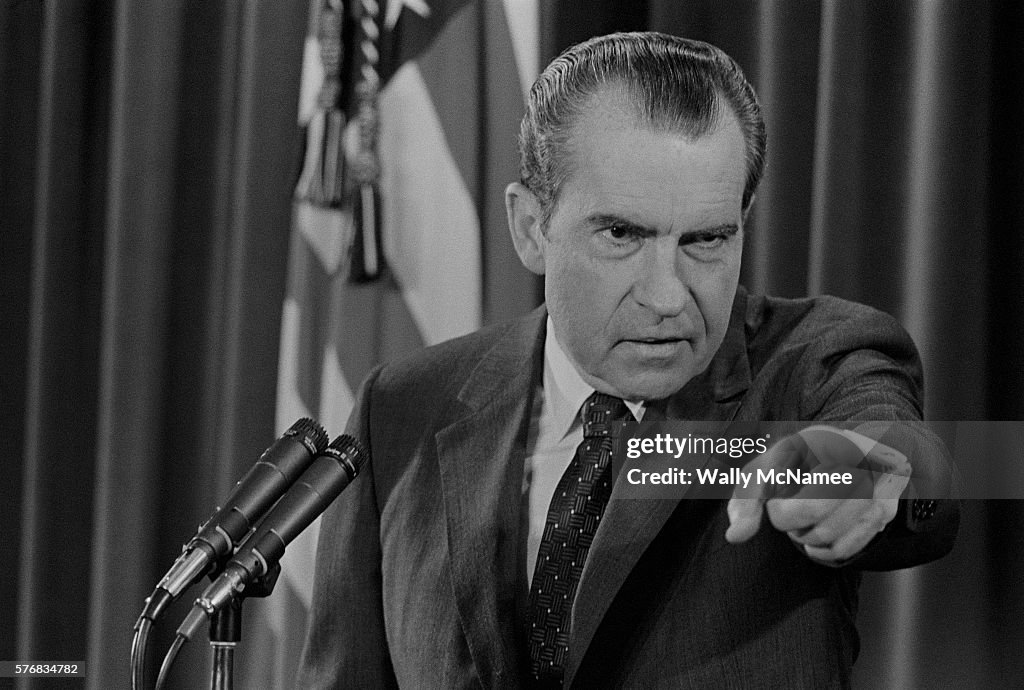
583 297
569 282
714 294
593 290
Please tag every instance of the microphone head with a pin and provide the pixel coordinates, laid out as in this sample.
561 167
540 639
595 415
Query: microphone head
348 452
310 433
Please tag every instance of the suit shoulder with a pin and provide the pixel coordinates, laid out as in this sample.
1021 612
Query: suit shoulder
450 361
820 324
825 349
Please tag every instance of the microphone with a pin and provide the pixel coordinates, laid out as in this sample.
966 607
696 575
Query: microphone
252 496
318 486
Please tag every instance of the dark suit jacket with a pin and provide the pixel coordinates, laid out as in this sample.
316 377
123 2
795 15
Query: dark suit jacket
420 579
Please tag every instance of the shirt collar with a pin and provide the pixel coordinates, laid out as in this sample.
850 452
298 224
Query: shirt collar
564 388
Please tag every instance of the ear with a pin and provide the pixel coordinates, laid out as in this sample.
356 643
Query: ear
746 211
524 222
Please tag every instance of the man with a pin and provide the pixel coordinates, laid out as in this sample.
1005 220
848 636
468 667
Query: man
640 157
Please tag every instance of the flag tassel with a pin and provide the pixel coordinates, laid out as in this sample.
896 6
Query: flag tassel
367 256
367 251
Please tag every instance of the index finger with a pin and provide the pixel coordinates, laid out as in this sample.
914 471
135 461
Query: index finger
746 506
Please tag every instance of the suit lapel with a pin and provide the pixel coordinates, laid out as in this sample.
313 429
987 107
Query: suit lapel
481 457
629 525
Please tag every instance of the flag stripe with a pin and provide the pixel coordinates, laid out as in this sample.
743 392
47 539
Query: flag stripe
523 27
450 73
449 107
311 282
434 247
361 343
508 288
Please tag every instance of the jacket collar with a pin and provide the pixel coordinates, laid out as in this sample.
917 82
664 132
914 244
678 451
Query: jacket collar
482 495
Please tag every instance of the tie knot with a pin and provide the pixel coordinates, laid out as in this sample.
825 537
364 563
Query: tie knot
599 411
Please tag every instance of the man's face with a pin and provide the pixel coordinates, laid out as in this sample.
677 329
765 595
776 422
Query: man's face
641 255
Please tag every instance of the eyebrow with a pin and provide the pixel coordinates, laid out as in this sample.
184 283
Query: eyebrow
724 229
608 219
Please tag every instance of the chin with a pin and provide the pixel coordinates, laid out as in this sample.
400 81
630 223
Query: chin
651 386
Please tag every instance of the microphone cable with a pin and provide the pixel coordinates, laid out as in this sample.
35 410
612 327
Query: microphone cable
172 654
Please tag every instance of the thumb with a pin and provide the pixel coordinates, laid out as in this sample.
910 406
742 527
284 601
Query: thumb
744 518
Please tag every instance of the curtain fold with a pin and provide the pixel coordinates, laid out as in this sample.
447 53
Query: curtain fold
149 153
134 327
61 385
904 92
786 72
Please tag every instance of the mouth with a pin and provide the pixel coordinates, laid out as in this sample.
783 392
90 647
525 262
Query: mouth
655 341
656 347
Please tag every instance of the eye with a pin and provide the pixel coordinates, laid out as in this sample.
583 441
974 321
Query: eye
706 245
621 236
709 241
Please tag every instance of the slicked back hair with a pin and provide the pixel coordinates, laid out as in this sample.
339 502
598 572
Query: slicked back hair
673 84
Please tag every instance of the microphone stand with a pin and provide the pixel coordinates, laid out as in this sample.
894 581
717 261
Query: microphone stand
225 633
226 630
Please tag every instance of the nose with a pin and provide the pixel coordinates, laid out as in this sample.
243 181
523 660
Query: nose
660 287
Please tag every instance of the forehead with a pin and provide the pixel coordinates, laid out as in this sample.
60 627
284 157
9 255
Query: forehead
617 162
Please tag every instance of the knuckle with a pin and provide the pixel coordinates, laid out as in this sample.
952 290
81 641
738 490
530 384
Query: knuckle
876 516
780 512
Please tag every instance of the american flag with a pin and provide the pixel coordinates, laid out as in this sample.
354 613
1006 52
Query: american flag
452 80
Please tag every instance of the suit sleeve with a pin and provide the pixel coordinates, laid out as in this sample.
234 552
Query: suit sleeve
346 644
867 370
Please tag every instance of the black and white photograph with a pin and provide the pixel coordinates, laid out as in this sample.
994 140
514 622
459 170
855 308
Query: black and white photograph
512 344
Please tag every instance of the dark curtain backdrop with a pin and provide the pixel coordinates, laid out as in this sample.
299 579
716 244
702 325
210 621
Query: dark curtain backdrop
147 160
147 154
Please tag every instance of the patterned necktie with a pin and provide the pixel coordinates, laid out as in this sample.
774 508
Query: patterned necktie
575 511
